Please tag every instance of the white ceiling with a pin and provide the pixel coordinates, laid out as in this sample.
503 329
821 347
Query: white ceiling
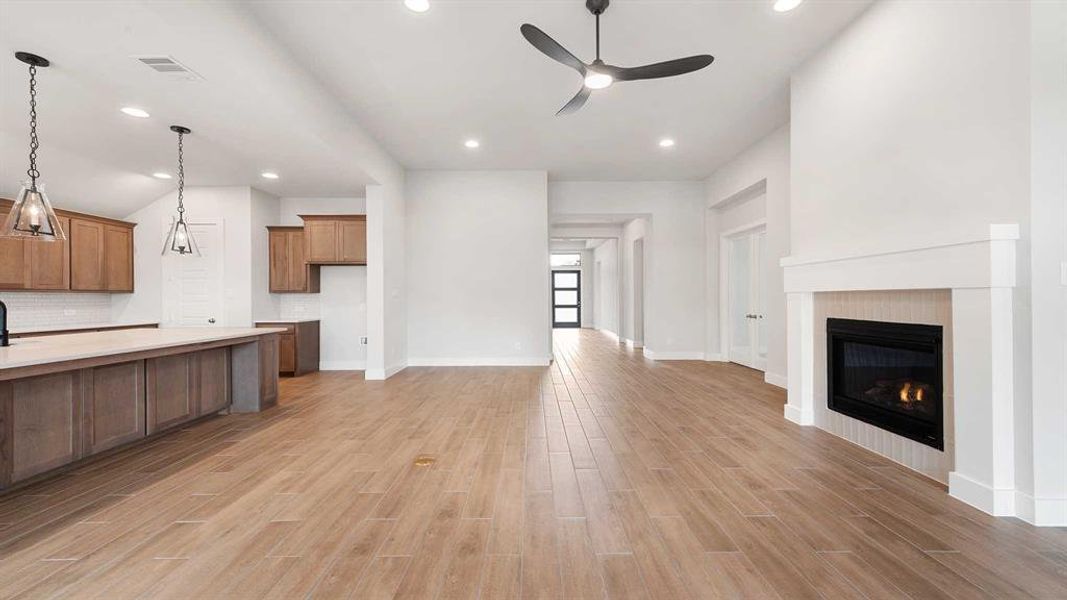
422 83
305 88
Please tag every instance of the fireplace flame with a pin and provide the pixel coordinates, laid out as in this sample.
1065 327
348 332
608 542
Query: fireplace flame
905 397
911 392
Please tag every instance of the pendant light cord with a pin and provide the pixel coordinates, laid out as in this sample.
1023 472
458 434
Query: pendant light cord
181 175
34 143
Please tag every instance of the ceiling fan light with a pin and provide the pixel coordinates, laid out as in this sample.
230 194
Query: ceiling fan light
419 6
598 81
786 5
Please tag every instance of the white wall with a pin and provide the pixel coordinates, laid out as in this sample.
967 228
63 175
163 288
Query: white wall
1048 203
477 267
263 211
674 253
606 288
231 206
753 186
911 127
588 291
341 304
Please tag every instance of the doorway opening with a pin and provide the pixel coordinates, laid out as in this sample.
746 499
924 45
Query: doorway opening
566 299
744 296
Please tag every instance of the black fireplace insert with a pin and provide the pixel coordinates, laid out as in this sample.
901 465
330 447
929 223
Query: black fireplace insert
888 375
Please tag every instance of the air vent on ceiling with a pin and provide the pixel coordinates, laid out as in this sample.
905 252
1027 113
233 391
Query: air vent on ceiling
169 67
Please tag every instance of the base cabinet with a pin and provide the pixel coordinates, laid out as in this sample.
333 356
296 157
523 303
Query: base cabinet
50 421
298 346
114 410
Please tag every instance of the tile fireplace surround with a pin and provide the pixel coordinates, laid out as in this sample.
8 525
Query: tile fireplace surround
979 276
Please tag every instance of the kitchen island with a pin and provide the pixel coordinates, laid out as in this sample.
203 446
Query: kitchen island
65 398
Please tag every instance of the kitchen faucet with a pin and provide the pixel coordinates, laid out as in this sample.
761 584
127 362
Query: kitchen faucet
3 324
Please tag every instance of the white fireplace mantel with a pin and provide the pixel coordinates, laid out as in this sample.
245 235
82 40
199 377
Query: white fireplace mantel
981 274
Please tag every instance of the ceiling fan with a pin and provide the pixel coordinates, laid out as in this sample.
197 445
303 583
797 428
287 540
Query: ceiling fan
598 74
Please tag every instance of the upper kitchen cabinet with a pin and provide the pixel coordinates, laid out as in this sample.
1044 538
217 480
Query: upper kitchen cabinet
289 272
335 239
96 257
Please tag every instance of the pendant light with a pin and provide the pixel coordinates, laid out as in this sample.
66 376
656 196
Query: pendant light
179 238
32 216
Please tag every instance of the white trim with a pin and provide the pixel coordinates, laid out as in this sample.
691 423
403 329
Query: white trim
776 380
653 355
494 361
799 416
716 357
343 365
997 502
382 374
1042 512
631 343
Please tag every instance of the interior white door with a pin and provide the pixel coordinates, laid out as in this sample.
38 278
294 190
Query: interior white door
747 299
193 285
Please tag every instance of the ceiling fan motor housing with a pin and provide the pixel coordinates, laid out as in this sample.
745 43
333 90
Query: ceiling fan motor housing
597 7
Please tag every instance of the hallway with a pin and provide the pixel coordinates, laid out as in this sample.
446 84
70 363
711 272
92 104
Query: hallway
605 475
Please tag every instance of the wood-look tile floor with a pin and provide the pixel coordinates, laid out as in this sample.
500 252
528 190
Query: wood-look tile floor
603 476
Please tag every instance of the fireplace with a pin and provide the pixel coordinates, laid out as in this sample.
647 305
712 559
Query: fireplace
888 375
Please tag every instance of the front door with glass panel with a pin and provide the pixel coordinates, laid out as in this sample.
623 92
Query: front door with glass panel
566 298
747 299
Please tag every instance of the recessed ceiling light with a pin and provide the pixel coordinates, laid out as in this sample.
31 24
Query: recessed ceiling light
472 144
786 5
666 143
269 175
419 6
135 112
161 175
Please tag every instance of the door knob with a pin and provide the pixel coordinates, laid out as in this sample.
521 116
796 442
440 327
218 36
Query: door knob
211 320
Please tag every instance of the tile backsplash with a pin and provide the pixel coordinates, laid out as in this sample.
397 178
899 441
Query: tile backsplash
299 306
27 310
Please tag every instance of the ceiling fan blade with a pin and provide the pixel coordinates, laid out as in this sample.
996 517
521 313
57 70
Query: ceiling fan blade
576 102
669 68
551 48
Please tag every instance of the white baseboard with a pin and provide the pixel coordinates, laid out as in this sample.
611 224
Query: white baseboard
1042 512
798 416
999 503
343 365
383 374
776 380
493 361
607 332
714 357
632 343
654 355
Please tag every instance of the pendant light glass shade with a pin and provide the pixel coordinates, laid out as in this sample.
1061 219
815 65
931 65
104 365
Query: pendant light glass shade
179 239
32 217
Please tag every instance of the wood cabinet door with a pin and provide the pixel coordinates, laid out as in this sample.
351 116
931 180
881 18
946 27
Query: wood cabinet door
320 241
286 353
298 269
113 412
13 260
87 255
268 370
118 258
352 241
50 262
170 388
213 381
44 422
279 261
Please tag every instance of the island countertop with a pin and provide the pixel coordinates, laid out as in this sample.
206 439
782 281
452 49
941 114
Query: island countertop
37 351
